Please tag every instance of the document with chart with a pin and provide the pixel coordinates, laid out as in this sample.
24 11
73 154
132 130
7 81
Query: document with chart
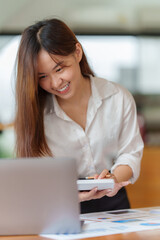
114 222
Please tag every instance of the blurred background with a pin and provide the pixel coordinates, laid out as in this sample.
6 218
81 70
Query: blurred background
122 41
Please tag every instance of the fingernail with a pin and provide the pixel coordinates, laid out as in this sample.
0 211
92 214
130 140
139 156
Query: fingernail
109 190
108 175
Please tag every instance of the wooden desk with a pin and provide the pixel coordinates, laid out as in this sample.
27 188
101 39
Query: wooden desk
141 235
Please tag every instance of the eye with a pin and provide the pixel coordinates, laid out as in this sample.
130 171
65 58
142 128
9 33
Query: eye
42 77
58 69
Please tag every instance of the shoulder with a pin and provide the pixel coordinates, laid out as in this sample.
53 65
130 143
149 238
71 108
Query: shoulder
108 88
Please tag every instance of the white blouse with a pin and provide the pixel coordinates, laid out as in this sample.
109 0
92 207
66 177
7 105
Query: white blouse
111 136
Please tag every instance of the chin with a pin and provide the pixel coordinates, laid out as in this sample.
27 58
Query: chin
65 96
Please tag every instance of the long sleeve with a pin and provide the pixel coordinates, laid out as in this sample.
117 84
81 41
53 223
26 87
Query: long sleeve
130 144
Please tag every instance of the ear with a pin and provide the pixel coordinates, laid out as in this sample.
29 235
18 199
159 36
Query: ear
78 52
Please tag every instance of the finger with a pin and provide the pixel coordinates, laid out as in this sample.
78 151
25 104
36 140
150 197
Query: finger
118 186
111 193
96 176
103 174
109 175
99 194
123 184
91 193
85 196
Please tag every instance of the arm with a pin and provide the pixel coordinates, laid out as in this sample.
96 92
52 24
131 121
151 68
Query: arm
123 173
130 145
126 167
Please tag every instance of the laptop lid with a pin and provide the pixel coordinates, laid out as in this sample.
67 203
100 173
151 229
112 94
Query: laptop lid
38 195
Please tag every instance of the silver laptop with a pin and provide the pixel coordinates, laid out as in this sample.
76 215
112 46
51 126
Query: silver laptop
38 195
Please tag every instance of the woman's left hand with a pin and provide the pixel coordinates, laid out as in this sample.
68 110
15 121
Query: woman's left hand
117 186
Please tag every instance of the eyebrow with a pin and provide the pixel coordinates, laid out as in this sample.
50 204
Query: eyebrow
53 67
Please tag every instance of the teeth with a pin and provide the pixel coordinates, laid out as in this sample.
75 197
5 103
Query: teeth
62 89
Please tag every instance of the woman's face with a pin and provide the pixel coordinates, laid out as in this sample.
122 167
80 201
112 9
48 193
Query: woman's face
60 75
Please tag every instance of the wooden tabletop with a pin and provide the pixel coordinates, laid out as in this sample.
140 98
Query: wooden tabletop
140 235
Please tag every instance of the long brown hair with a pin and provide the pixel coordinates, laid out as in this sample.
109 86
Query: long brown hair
55 37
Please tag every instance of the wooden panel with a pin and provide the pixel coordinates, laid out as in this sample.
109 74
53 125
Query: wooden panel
146 191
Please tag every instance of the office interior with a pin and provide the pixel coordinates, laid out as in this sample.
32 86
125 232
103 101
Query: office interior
122 42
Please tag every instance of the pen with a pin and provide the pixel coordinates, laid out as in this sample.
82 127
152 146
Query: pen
92 177
86 178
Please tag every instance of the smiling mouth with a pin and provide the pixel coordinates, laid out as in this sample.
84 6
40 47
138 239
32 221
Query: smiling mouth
64 89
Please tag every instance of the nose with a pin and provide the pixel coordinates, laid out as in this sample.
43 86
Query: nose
55 82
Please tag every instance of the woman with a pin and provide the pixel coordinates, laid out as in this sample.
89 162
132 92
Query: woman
64 110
